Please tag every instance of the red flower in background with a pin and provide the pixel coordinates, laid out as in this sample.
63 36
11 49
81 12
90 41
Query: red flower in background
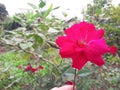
36 69
28 67
20 66
84 43
69 83
33 70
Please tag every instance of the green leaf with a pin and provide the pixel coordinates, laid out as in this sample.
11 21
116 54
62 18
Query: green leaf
39 38
47 12
98 11
17 18
84 72
32 5
42 4
65 69
30 17
43 26
55 8
25 45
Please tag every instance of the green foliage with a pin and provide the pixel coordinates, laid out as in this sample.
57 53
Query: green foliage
106 16
9 68
34 43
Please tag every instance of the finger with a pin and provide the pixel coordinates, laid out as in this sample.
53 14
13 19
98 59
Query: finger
56 88
66 87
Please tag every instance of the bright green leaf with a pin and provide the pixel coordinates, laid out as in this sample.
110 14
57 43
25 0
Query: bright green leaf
47 12
98 11
17 18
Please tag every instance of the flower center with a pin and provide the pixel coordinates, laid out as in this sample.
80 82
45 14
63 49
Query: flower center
81 43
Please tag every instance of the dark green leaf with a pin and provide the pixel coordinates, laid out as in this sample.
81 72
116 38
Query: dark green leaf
55 8
42 4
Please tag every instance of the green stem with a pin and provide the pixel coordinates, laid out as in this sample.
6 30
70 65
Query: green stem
75 74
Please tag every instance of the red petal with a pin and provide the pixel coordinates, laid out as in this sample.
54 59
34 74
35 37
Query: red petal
97 47
74 31
61 40
67 50
98 60
113 49
78 61
100 33
33 70
81 30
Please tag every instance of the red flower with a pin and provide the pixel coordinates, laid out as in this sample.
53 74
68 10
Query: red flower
28 67
113 49
33 70
20 67
83 43
36 69
69 83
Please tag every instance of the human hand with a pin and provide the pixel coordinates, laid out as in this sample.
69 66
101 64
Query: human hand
65 87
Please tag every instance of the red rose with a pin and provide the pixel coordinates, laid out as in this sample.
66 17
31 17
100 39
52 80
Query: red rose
83 42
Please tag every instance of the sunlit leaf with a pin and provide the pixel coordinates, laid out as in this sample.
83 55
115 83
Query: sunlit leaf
17 18
47 12
32 5
25 45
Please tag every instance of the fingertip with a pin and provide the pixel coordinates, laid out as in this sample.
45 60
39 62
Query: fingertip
66 87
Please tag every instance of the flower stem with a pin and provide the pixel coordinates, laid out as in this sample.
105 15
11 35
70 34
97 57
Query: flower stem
75 74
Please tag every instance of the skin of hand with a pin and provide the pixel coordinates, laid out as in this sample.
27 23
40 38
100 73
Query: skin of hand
65 87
